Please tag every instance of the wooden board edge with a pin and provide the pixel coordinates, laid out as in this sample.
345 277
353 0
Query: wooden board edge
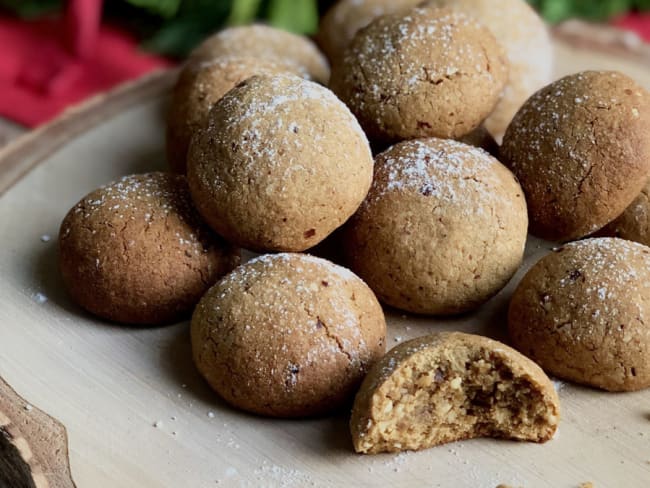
41 440
603 38
23 154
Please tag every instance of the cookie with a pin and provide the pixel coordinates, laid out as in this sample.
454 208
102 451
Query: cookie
634 223
346 17
291 51
448 387
282 164
442 229
581 313
581 150
526 40
199 86
137 252
433 72
287 335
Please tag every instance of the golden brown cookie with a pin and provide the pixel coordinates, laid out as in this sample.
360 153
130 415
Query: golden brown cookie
582 314
526 40
448 387
199 87
287 335
137 252
581 150
442 229
293 52
282 164
433 72
341 22
634 223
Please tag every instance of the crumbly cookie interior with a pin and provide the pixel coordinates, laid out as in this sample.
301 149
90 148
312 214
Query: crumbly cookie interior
430 401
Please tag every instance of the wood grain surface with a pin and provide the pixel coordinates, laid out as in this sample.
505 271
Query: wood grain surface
138 414
33 446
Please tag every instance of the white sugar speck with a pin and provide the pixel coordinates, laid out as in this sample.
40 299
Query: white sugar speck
158 424
211 415
39 298
46 238
28 407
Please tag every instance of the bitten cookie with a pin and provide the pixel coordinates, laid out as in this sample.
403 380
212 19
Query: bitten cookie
442 229
634 223
287 335
526 40
293 52
137 252
581 313
581 150
199 86
282 164
341 22
448 387
433 72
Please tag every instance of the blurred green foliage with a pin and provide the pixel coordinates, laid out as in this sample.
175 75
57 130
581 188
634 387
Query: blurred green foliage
173 27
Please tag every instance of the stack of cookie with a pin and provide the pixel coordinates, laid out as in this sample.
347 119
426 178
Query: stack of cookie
266 158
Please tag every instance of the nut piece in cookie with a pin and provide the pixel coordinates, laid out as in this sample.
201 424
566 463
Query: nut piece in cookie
448 387
199 86
581 149
526 40
281 165
287 335
442 230
137 252
431 72
582 314
296 53
634 223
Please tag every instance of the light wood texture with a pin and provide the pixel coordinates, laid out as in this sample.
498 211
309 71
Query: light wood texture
138 414
34 446
19 157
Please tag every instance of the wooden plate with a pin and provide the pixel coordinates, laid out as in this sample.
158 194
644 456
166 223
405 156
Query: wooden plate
139 415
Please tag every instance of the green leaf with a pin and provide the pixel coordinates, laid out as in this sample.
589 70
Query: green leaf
31 8
243 11
164 8
299 16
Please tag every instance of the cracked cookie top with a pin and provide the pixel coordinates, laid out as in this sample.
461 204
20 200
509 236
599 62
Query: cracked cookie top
136 251
581 150
280 166
583 314
442 229
287 335
431 72
292 51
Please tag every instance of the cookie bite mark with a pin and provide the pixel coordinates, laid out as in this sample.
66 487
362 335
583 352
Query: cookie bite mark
448 387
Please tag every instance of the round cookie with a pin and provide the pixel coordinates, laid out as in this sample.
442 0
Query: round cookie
137 252
287 335
199 87
294 52
341 22
634 223
442 230
282 164
582 314
581 150
526 40
433 72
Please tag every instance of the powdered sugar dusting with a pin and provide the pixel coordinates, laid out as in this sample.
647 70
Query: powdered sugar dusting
453 173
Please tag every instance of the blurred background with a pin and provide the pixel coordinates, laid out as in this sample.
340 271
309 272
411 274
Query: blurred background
54 53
